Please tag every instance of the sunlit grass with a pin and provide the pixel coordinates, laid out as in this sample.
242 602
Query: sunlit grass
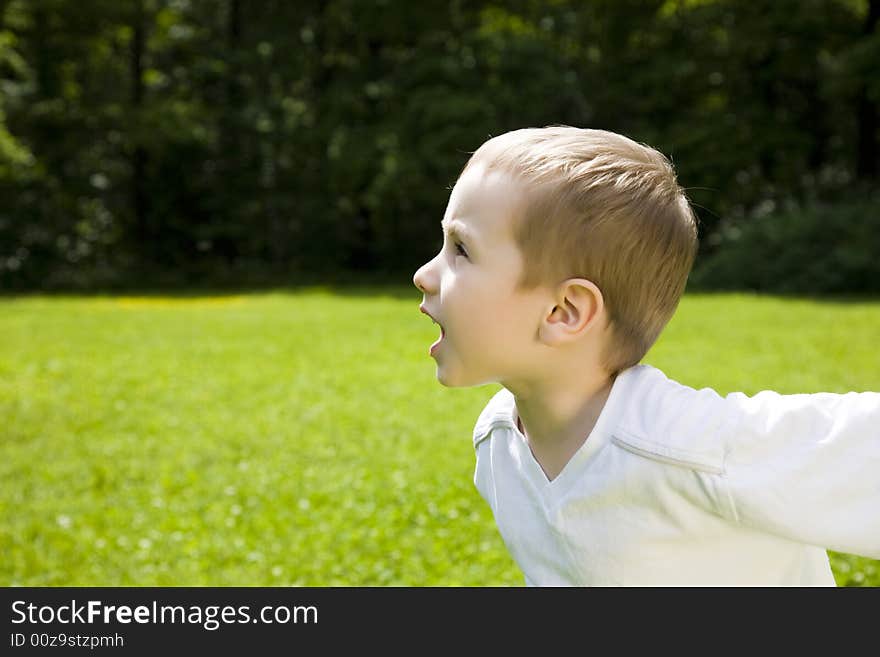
301 438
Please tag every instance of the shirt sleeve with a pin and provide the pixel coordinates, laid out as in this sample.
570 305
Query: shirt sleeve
807 467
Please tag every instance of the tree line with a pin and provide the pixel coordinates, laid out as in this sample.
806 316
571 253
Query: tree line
186 141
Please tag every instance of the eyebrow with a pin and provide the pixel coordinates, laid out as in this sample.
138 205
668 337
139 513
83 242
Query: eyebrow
457 229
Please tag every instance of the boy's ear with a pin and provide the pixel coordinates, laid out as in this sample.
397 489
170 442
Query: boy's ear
578 306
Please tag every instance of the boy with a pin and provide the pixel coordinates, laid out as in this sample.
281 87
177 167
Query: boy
565 254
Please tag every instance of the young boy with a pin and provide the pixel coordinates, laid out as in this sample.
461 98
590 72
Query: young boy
565 254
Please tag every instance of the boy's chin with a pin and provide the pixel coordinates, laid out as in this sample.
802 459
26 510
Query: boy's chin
452 379
444 379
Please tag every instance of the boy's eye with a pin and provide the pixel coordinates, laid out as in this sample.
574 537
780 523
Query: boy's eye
460 249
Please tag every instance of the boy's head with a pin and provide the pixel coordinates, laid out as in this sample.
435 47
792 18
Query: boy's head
546 207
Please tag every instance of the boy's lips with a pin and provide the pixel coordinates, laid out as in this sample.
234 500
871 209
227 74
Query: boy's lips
442 331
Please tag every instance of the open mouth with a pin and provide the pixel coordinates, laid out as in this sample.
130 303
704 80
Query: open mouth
436 345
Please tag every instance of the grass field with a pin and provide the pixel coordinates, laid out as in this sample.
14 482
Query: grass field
300 438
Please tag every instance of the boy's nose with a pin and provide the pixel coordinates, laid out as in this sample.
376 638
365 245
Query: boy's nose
417 279
421 279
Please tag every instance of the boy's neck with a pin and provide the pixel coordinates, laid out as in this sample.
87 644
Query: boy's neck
556 419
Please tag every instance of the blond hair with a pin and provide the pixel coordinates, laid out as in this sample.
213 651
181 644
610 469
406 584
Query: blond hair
602 207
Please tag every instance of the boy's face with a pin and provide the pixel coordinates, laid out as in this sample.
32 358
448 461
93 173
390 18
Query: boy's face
488 328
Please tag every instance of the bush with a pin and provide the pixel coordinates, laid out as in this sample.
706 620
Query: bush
810 250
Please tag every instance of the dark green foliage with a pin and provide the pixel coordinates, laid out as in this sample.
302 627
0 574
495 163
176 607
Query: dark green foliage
816 249
183 141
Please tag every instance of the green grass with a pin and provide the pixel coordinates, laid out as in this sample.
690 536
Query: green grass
301 438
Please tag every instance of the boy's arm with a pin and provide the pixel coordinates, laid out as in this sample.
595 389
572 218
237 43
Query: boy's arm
807 467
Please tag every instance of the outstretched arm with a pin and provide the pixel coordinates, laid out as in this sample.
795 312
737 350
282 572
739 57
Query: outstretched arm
807 467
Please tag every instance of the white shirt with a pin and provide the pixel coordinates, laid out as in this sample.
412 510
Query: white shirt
676 486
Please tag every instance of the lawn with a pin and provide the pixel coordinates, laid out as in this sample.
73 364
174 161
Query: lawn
300 438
